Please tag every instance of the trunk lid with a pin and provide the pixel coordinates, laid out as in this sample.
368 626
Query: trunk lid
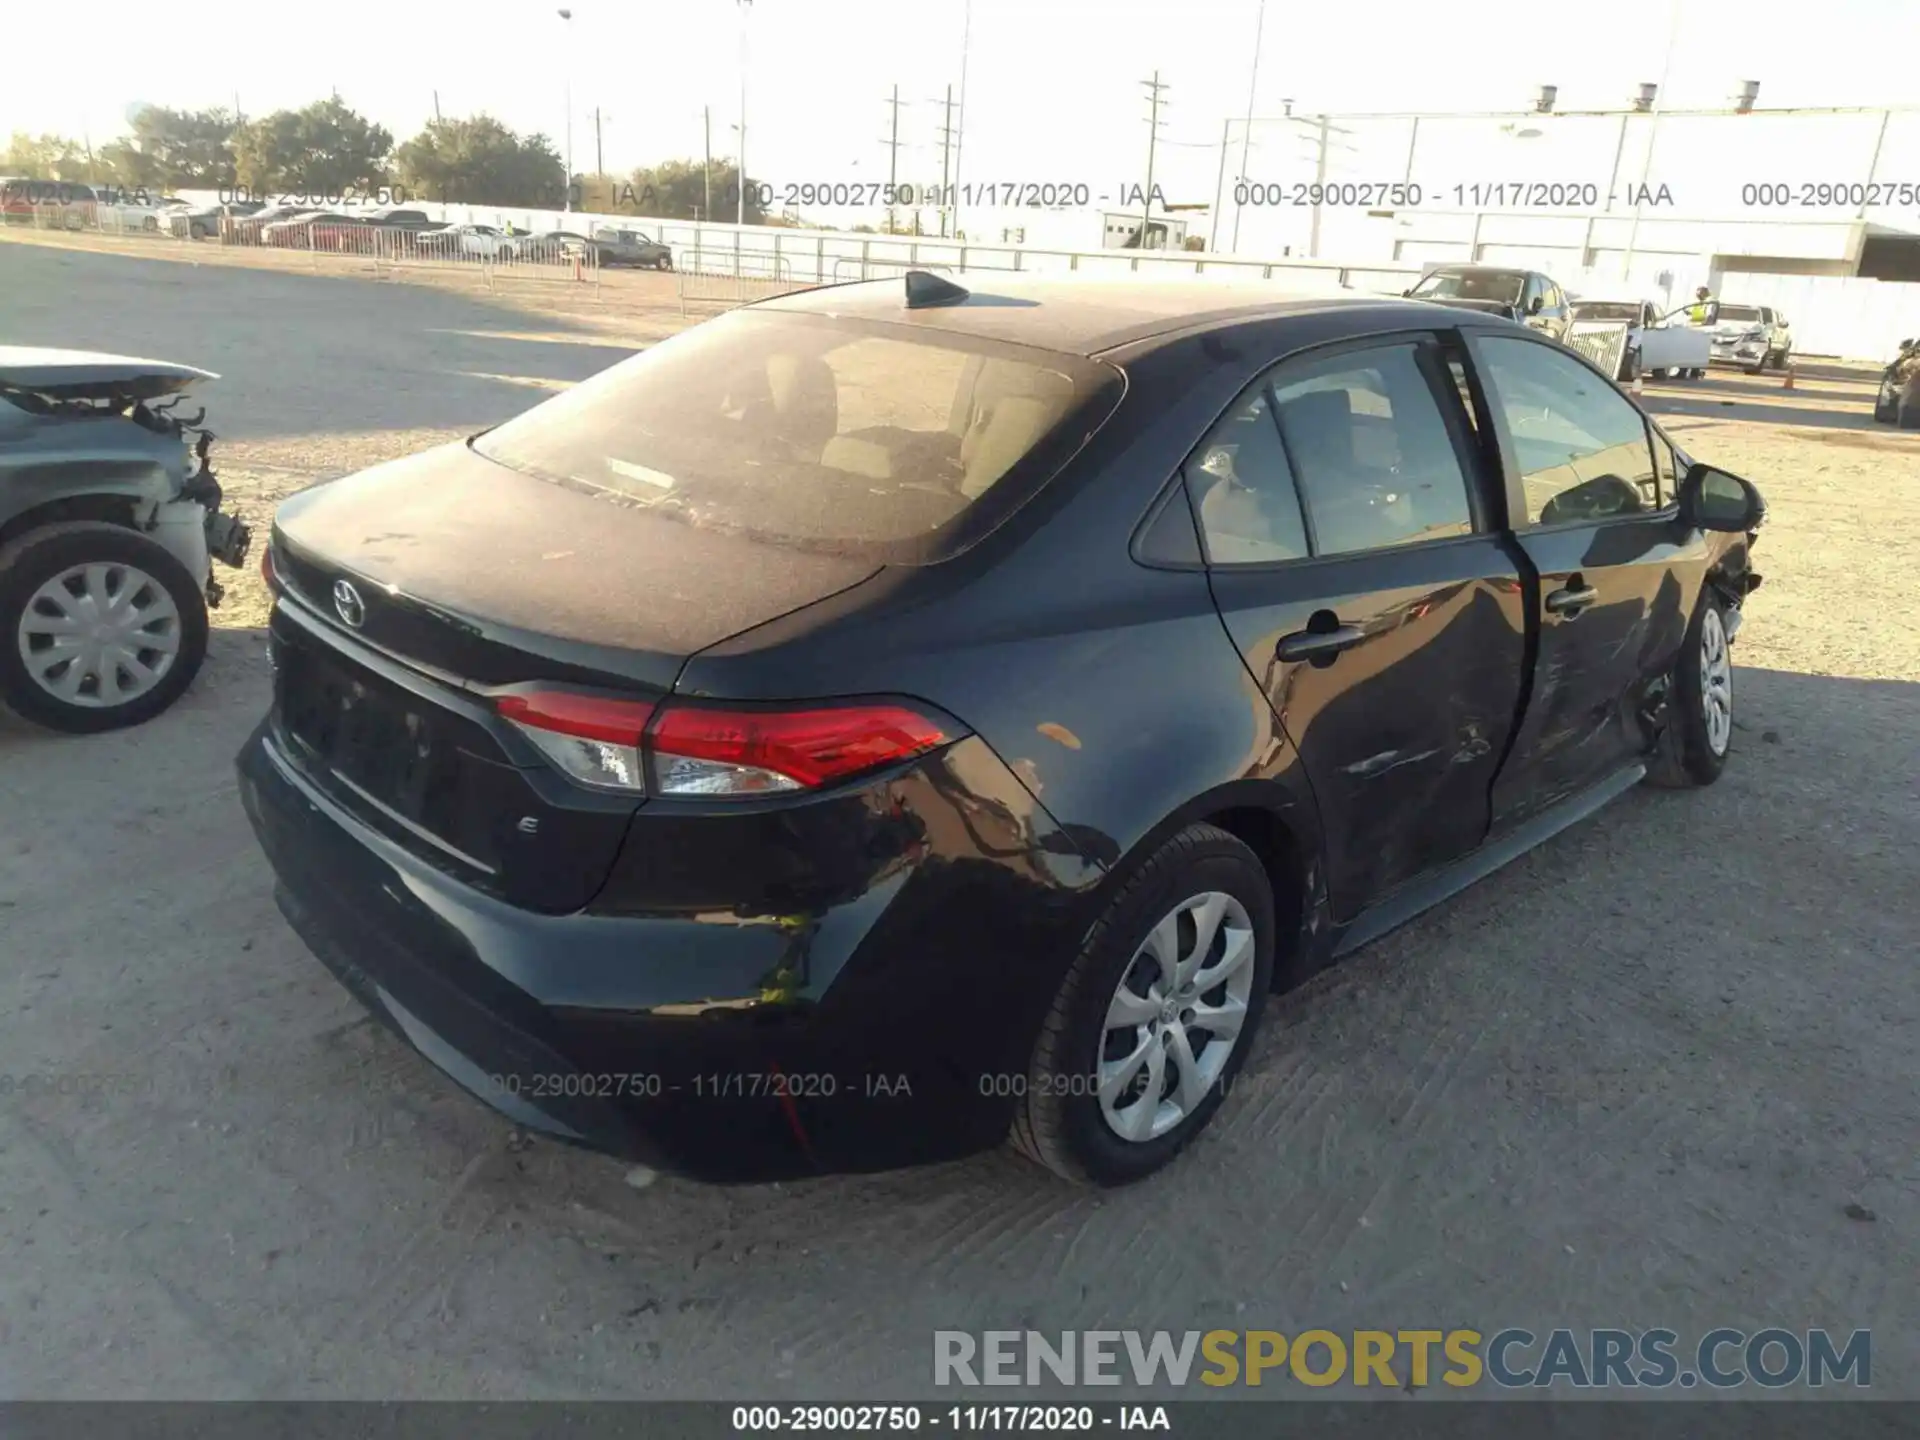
415 589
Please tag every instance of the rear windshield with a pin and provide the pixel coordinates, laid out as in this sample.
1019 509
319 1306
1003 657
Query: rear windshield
1503 286
1607 310
886 441
1739 312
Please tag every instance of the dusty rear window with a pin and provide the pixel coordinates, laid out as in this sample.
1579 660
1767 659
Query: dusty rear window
822 433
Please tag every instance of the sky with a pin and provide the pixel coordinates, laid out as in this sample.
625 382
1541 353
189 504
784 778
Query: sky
1053 88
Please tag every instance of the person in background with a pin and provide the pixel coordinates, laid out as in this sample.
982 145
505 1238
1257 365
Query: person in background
1702 307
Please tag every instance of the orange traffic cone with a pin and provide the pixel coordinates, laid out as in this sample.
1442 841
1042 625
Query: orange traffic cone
1788 384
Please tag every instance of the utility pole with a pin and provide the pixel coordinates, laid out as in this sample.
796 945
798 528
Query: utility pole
740 216
1319 188
946 152
599 164
1154 87
1653 133
966 38
1246 148
893 159
706 125
436 106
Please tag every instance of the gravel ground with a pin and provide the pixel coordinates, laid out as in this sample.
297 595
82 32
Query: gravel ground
1659 1072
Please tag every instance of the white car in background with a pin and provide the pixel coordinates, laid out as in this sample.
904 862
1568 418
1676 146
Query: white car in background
1754 337
470 242
1657 344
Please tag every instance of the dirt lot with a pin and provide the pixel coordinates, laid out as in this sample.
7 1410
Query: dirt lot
1660 1072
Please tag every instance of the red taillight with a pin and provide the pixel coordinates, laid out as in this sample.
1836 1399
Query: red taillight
699 750
696 750
588 717
266 566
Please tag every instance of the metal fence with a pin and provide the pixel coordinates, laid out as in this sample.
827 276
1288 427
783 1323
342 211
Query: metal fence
737 276
1602 342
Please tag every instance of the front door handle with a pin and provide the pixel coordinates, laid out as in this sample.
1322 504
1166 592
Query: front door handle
1570 600
1318 647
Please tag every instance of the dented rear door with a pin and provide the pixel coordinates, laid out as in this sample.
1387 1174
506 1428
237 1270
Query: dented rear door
1344 496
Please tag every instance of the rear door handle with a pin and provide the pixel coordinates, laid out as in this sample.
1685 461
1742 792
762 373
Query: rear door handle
1569 601
1319 647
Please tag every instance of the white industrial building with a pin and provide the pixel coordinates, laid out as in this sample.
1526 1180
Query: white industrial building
1814 210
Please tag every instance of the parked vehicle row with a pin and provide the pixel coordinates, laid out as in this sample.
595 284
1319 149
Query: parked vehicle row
76 205
971 706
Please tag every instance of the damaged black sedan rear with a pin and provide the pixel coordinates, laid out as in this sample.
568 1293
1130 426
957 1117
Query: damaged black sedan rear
889 719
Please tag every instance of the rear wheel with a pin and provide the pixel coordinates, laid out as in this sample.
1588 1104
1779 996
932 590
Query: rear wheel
1155 1016
100 627
1699 731
1907 415
1886 403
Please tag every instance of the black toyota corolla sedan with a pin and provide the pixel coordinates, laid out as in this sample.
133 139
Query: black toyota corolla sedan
889 719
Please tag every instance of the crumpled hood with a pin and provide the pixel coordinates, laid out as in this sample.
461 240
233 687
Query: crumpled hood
89 374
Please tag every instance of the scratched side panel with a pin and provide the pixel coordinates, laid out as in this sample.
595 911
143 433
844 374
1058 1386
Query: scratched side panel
1400 735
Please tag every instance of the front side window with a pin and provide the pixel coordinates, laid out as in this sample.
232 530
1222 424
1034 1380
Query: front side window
815 432
1581 446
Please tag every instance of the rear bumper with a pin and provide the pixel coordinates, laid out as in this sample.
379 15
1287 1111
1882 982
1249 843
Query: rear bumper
864 1035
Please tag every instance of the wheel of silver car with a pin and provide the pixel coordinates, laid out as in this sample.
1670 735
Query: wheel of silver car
104 627
1698 730
1716 681
1155 1015
1176 1016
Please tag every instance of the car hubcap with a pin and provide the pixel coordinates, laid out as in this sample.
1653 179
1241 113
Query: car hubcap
1176 1016
99 635
1716 682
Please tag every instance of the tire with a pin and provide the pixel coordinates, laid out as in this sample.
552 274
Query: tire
1907 413
1695 743
132 567
1629 367
151 224
1886 404
1063 1122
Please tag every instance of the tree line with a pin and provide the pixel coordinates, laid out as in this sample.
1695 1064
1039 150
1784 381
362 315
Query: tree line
329 149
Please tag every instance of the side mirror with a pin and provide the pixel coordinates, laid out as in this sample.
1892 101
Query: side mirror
1536 305
1712 499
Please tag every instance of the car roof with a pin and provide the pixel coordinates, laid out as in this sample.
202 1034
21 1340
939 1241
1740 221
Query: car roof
1087 315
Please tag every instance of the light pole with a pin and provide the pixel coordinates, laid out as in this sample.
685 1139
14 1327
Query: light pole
566 186
1653 133
1246 152
740 215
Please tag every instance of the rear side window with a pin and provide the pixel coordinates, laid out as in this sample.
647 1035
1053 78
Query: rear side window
888 441
1373 457
1243 489
1330 457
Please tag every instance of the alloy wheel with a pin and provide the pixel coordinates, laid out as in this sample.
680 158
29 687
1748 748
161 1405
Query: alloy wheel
1176 1016
99 635
1716 681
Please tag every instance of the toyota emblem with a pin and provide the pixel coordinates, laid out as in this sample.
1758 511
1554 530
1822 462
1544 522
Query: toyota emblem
346 600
